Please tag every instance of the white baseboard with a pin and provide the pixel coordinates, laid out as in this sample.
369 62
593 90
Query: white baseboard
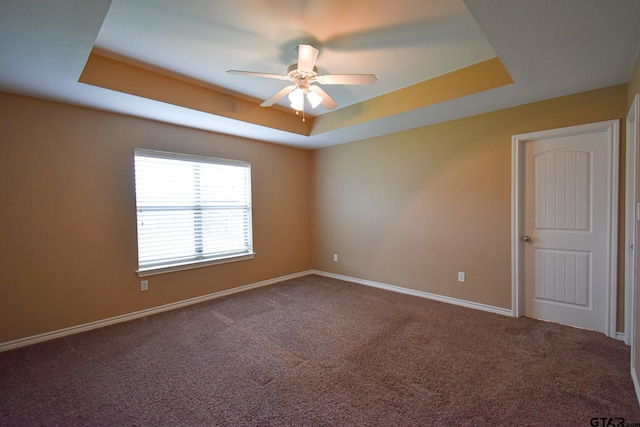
636 384
464 303
22 342
455 301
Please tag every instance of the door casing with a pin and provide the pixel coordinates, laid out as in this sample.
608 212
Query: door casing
631 213
517 212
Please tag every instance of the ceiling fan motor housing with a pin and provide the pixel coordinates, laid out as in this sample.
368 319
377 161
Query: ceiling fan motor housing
300 77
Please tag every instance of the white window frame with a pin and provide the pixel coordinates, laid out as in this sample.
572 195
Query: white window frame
168 263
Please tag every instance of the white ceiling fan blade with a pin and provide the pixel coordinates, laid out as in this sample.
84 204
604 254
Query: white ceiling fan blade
278 96
307 56
254 74
327 102
347 79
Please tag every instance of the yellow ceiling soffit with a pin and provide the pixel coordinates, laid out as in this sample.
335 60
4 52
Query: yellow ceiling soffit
475 78
110 73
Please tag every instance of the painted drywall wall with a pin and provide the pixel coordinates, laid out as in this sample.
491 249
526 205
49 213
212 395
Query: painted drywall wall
633 86
409 209
68 227
413 208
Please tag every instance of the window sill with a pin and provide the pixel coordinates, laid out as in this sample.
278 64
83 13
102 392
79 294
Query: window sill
150 271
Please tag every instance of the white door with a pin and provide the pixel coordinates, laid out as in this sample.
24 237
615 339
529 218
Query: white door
567 232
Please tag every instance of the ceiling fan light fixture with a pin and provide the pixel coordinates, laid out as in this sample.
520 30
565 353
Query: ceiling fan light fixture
314 99
296 97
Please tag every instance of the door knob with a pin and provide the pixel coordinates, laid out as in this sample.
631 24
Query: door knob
527 239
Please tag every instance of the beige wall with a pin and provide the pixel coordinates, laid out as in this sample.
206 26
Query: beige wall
68 226
413 208
634 82
408 209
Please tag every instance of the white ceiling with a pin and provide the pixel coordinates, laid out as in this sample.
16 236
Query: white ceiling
550 48
398 44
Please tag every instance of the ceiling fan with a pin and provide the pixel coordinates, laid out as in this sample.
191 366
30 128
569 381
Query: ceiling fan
303 73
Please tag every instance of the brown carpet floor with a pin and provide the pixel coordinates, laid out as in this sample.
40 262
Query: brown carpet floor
320 352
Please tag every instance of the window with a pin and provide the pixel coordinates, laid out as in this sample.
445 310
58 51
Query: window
191 211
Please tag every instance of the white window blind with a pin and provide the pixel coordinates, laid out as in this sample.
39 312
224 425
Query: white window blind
191 210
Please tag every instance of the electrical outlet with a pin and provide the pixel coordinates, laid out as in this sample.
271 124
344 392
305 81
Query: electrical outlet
460 276
144 285
335 257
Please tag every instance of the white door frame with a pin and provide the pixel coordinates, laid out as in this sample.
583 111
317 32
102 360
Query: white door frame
517 213
632 145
